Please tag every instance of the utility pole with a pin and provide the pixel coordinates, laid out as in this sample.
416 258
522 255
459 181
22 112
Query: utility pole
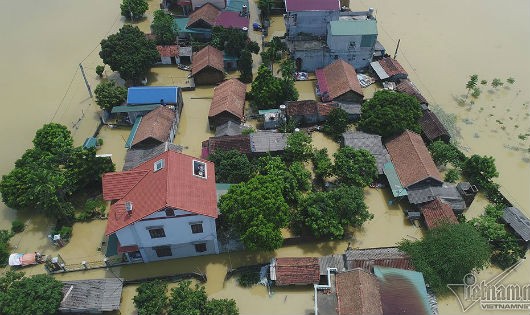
397 47
86 81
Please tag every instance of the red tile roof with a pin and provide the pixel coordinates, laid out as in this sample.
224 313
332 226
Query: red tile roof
308 107
432 127
336 79
406 86
436 212
168 50
240 143
312 5
297 270
230 19
391 66
207 57
411 159
157 124
229 96
358 293
174 185
207 13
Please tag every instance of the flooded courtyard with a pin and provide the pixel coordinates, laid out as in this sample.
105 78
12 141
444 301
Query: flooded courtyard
441 45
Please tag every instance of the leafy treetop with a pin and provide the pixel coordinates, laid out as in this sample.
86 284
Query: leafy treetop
336 123
390 113
355 167
109 94
231 166
129 52
298 147
164 28
151 298
133 9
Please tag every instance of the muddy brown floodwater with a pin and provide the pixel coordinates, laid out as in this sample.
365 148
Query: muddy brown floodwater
442 43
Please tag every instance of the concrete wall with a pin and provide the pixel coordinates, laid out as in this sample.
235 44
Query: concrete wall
178 235
312 22
312 59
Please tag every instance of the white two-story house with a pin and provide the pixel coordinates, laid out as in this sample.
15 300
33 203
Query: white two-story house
164 208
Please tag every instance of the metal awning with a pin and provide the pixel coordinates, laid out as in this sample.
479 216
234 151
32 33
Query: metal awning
381 73
133 132
133 108
395 184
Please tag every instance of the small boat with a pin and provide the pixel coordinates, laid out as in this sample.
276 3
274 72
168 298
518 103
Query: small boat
22 260
183 67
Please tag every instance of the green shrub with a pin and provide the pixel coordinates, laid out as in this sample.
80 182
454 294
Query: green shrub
17 226
248 278
452 175
99 70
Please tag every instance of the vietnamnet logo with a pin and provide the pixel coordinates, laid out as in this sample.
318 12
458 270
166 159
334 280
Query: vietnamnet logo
492 295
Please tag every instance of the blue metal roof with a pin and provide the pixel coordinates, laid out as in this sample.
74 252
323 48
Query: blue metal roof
236 5
90 142
133 132
182 23
144 95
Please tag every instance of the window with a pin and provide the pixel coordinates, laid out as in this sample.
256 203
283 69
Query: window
158 165
157 232
196 227
200 248
170 212
199 169
163 251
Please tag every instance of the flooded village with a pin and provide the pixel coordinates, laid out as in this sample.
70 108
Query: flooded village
441 46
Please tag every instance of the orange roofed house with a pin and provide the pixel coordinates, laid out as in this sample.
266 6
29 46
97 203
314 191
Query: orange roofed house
228 103
163 208
208 66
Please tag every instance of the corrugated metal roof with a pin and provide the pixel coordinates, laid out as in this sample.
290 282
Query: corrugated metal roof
331 261
369 257
517 221
381 73
134 108
91 296
268 141
90 142
402 291
353 27
393 180
145 95
132 134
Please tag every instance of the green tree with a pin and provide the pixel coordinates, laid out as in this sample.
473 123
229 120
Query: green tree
447 253
389 113
245 66
99 70
336 123
257 210
480 169
322 165
39 294
301 175
495 83
327 214
265 7
483 82
506 249
53 138
4 247
443 153
266 90
164 28
287 68
472 83
129 52
275 49
355 167
510 80
298 147
109 94
452 175
186 300
221 307
231 166
290 184
151 298
476 92
232 41
133 9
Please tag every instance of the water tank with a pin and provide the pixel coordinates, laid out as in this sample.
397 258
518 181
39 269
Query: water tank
244 10
371 12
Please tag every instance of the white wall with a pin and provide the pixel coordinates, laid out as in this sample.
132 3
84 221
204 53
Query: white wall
178 234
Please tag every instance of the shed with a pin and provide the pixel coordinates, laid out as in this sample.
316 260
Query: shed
169 54
389 69
295 270
203 17
436 212
230 128
91 296
383 256
370 142
208 66
137 156
228 103
412 161
133 112
90 142
157 127
432 127
308 112
338 81
406 86
518 222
